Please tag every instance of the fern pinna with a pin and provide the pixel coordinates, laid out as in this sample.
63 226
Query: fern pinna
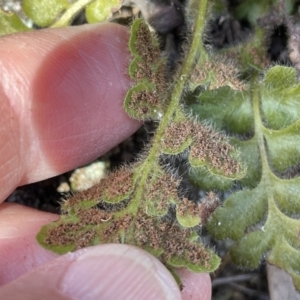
233 118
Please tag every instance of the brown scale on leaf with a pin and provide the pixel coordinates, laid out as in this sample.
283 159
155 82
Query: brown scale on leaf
260 58
118 183
115 226
165 186
85 239
144 45
140 101
144 71
63 234
150 97
161 204
176 134
146 233
93 216
202 141
182 247
225 74
208 206
197 254
143 110
150 67
187 207
293 43
162 190
213 146
200 73
160 80
171 238
93 193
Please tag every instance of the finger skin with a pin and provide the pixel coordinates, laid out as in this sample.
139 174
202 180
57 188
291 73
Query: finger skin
61 95
20 254
19 251
196 286
109 272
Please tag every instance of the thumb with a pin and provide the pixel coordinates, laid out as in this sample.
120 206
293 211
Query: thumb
110 271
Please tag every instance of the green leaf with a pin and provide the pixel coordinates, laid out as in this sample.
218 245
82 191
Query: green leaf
118 186
208 181
229 109
228 169
258 242
70 13
280 77
212 264
154 209
212 152
249 154
281 105
177 137
251 10
187 220
286 193
100 10
284 146
239 211
160 192
125 201
287 257
10 23
66 235
264 221
136 102
44 12
218 7
280 236
147 69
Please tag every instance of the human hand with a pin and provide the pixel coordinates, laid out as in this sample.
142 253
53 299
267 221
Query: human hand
61 94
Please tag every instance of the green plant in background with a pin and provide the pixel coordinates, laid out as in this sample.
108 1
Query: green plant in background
229 114
55 13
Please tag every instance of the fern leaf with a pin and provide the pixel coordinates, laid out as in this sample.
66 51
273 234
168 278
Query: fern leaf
140 205
263 221
10 23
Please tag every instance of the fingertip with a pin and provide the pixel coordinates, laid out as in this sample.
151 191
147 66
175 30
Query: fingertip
196 286
19 250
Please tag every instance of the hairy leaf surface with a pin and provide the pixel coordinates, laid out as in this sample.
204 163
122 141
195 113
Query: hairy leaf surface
100 10
140 205
262 220
10 23
44 12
